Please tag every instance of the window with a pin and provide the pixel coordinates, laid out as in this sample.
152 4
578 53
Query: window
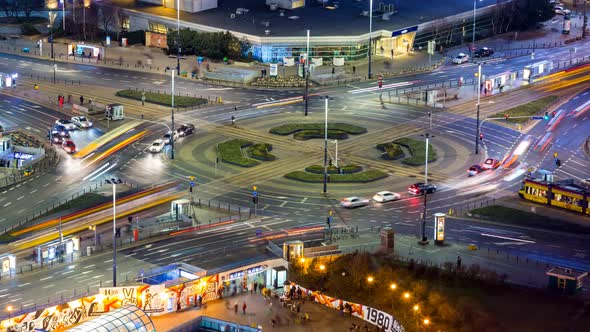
125 23
560 283
536 192
567 199
158 28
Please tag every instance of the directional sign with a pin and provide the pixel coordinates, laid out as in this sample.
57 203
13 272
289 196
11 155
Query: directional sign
537 118
192 183
258 232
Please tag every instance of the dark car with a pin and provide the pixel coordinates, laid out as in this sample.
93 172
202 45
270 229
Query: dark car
420 188
483 52
185 129
474 170
60 131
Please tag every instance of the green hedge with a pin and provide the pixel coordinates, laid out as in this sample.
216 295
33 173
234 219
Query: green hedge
528 109
309 134
390 151
348 169
361 177
29 29
162 99
262 152
231 153
417 150
290 128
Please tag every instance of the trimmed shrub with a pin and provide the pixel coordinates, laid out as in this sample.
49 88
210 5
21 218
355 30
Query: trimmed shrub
391 151
162 99
348 169
291 128
417 150
361 177
309 134
262 152
231 153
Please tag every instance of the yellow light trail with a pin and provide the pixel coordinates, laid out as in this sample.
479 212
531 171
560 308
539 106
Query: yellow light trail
104 139
117 147
30 243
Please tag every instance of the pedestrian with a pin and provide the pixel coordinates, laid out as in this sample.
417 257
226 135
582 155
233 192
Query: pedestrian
298 307
392 53
333 70
299 293
236 308
178 306
81 100
235 108
353 70
233 120
244 308
36 87
255 287
459 263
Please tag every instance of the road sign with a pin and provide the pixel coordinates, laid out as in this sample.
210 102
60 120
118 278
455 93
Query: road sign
555 154
537 118
258 232
431 47
192 183
192 178
254 193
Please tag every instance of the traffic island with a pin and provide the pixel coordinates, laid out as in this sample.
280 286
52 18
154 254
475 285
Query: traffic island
231 152
346 174
162 98
520 114
305 131
415 155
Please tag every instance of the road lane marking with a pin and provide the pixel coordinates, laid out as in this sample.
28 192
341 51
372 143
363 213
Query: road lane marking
506 238
7 204
89 266
21 211
45 278
23 285
18 199
49 286
33 191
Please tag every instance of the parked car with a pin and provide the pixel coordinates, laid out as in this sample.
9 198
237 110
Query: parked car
483 52
60 130
66 123
386 196
185 129
69 146
420 188
166 137
460 58
353 202
157 146
491 163
474 170
82 122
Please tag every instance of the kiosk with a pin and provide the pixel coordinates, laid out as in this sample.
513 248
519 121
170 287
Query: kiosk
180 209
292 250
8 265
439 228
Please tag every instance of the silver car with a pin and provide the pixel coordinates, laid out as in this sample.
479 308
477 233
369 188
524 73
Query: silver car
353 202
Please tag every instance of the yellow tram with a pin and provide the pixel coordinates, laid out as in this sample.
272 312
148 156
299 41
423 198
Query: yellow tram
563 194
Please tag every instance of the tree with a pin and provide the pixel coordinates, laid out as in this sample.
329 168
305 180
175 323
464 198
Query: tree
528 13
111 19
9 7
29 6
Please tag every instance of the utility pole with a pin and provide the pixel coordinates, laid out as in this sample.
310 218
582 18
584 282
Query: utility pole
585 24
326 145
370 33
172 129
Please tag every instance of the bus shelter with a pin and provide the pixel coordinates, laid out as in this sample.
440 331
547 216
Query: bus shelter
47 252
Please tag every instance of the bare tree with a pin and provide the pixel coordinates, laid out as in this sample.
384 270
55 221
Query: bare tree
29 6
9 7
111 19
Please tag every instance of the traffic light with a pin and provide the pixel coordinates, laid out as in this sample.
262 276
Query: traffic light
546 116
255 199
506 116
481 137
557 162
553 114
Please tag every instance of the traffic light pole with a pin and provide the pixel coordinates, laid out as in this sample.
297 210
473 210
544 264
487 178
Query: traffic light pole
306 74
326 146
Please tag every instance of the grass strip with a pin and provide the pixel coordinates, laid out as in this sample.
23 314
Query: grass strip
231 153
162 98
291 128
417 150
529 109
360 177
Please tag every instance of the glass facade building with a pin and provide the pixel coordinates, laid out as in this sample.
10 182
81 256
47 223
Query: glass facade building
128 318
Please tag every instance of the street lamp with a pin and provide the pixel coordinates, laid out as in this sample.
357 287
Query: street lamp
477 109
393 286
326 145
473 37
416 307
370 279
177 53
424 238
114 182
406 295
172 110
63 14
306 67
370 33
322 267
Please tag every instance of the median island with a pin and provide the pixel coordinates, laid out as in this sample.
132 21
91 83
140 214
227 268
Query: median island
305 131
410 151
244 153
346 174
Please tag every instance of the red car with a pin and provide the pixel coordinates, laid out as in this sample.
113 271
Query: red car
491 163
69 146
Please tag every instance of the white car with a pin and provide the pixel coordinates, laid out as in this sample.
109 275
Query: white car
352 202
460 58
167 136
386 196
66 123
157 146
81 122
586 182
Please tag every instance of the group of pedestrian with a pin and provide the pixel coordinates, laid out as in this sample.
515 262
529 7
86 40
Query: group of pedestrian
236 305
295 293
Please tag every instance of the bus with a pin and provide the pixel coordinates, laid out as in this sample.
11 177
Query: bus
562 194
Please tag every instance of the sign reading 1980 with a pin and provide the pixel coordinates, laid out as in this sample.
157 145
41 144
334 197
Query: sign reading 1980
382 319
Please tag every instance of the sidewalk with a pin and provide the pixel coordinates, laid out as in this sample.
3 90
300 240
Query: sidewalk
259 313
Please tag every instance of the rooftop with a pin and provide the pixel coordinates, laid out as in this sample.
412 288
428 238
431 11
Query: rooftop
345 18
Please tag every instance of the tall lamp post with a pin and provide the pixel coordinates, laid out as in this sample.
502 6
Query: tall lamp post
114 183
307 73
172 110
473 36
424 237
52 17
177 54
63 14
585 20
477 108
326 145
370 33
